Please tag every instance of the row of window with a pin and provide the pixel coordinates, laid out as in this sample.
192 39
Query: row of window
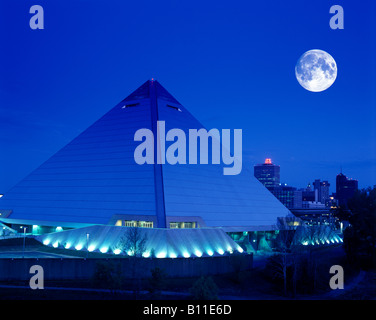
134 223
149 224
182 225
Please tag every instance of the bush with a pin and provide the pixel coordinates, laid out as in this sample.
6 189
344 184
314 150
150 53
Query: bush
204 289
157 281
107 276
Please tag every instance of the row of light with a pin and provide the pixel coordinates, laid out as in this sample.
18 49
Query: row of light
36 227
161 254
337 240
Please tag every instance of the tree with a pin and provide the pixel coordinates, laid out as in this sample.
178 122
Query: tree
157 281
360 236
306 240
287 228
295 243
134 244
341 213
275 270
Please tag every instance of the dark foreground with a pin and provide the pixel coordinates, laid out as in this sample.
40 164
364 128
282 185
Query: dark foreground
255 284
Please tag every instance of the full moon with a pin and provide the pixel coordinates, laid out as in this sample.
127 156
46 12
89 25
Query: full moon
316 70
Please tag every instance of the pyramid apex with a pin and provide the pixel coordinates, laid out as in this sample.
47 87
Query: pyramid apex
144 92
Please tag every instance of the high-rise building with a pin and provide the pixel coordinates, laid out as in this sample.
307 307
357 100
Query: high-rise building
298 198
345 189
308 195
321 190
285 194
268 174
332 202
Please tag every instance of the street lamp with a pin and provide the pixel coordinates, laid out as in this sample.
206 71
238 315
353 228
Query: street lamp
87 244
23 255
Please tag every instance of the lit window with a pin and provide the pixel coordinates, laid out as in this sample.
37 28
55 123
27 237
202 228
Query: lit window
183 225
141 224
145 224
130 223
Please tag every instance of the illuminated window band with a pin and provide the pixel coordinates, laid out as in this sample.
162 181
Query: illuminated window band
150 224
182 225
134 223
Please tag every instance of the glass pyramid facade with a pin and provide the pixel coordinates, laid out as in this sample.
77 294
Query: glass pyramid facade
94 179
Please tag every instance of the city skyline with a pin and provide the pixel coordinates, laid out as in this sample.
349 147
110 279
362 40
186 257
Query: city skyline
231 65
332 181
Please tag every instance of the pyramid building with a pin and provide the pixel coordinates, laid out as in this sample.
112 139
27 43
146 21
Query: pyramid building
95 180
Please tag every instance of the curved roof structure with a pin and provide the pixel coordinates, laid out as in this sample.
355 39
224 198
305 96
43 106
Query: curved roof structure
163 243
94 179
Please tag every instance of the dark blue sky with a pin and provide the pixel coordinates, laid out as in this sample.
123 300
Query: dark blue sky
231 63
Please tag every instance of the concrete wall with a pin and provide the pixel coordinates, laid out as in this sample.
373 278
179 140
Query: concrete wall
70 268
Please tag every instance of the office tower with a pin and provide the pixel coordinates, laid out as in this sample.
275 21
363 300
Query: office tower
345 189
321 190
285 194
268 174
